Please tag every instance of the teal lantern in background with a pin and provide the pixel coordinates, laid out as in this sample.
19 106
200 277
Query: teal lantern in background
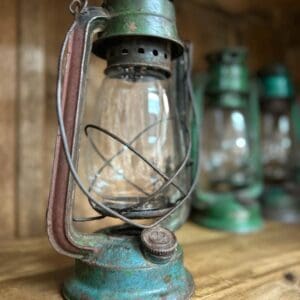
230 180
280 144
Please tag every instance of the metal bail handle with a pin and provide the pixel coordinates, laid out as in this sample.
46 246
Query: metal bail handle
74 56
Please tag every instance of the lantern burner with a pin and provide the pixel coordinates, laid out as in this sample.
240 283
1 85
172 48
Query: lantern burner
141 52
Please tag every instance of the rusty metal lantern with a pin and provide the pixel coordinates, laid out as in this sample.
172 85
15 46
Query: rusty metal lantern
137 154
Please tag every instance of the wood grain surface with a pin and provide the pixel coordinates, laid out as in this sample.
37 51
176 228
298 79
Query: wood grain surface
31 204
250 6
260 266
8 93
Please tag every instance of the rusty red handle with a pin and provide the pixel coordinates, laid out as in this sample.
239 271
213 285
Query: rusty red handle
73 62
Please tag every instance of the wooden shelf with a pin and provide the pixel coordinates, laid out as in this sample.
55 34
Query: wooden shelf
263 266
250 6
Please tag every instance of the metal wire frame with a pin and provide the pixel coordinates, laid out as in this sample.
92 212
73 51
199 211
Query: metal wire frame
169 181
108 161
105 209
165 177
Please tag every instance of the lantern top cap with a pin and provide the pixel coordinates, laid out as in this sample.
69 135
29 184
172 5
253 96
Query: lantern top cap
275 82
141 19
228 72
235 55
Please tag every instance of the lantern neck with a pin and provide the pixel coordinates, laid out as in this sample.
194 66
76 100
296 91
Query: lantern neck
275 83
227 100
135 73
276 106
228 72
139 53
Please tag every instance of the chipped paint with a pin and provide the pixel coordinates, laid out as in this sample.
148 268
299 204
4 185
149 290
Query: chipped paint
132 27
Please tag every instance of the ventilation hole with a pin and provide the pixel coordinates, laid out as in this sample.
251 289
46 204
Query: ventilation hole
124 51
141 50
155 52
166 55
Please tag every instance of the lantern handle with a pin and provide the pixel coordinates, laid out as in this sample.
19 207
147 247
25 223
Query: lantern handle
73 63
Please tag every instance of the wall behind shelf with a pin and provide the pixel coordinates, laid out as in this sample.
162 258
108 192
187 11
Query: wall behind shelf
30 39
269 32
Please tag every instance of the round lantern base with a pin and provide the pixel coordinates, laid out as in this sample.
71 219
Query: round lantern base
230 216
278 205
120 271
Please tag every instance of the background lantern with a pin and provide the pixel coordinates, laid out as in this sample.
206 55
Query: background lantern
230 173
134 149
280 144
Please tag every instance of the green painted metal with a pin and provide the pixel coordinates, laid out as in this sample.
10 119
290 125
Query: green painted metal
276 83
228 100
225 211
140 18
120 271
230 215
228 72
295 115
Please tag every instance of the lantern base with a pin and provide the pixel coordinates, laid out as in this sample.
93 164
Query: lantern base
230 216
120 271
279 205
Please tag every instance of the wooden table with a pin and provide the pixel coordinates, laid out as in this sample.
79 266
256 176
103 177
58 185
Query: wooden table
264 266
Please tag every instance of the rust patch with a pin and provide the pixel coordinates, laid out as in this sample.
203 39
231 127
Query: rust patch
167 279
132 27
84 297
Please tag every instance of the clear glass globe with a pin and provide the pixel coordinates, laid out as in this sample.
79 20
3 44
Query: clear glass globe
134 105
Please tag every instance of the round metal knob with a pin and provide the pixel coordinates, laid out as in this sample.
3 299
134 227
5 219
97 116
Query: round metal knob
159 243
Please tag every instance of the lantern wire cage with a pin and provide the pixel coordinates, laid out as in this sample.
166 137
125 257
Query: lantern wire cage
127 215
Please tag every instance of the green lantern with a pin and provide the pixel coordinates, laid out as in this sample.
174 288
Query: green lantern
128 159
230 180
280 144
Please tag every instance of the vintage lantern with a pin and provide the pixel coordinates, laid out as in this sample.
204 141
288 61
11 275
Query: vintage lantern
280 141
230 178
136 155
